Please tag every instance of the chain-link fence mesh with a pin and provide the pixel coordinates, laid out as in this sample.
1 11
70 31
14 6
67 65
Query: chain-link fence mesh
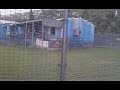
91 56
25 49
31 43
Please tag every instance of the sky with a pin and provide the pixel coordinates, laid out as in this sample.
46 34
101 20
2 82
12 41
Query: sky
13 11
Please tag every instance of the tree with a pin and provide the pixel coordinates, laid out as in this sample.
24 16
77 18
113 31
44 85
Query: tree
31 17
103 19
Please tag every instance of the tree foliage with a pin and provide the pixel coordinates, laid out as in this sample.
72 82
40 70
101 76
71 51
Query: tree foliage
104 20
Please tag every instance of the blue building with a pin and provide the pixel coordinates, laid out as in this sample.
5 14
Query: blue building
49 33
80 33
37 33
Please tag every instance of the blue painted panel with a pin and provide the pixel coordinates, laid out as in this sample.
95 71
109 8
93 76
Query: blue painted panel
73 39
89 31
1 31
4 29
84 31
70 28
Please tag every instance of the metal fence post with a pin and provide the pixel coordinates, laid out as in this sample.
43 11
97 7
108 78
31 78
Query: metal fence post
64 49
42 33
32 34
25 34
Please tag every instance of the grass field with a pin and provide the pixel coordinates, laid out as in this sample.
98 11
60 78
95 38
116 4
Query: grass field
19 63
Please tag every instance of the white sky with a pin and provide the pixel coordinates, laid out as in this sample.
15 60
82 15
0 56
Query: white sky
13 11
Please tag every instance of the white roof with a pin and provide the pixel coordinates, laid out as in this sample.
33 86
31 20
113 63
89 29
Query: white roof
7 22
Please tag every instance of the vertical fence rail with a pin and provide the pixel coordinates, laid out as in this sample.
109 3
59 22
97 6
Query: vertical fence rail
32 34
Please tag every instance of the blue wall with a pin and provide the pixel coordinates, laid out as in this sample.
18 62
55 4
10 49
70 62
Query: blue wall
70 28
86 35
3 31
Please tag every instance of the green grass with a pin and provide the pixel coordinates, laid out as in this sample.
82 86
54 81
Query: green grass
28 64
19 63
94 64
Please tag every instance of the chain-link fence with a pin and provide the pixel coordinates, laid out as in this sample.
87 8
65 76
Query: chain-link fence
38 47
29 49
